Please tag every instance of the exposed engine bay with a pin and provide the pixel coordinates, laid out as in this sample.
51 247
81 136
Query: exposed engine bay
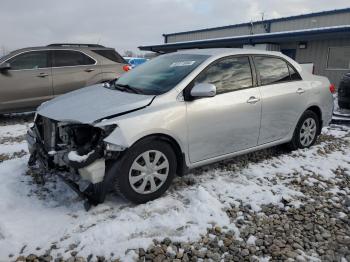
73 148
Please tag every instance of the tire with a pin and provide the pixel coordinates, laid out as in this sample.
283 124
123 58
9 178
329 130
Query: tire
299 140
123 171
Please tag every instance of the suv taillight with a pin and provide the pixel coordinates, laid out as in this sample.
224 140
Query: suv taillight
332 88
126 68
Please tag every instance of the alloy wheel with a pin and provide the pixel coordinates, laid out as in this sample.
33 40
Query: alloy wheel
148 172
308 132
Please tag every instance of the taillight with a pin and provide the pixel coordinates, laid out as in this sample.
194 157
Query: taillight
126 68
332 88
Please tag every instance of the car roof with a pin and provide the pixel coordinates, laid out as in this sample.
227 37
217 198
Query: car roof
224 51
54 47
220 52
60 47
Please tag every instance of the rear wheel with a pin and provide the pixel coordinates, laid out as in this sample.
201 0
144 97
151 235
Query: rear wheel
306 131
145 172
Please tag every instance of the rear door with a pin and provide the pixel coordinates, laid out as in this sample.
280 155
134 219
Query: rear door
72 69
284 97
27 83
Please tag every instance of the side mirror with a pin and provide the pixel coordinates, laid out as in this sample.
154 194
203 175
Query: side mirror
5 66
203 90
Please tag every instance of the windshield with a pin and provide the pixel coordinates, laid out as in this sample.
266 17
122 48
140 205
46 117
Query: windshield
160 74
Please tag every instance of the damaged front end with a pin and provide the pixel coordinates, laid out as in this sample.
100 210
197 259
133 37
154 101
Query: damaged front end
77 149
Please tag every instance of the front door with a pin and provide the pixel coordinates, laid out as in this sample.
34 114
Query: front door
230 121
27 83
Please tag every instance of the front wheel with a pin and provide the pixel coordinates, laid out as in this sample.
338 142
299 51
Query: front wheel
306 131
145 172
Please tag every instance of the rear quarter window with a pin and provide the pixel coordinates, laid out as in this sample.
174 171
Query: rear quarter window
111 55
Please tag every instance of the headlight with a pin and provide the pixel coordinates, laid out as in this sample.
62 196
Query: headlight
112 147
108 129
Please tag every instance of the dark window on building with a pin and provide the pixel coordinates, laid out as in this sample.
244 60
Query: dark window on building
30 60
271 70
111 55
70 58
228 74
294 75
339 57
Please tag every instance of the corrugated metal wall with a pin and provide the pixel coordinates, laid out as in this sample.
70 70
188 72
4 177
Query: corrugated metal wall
317 53
311 22
277 26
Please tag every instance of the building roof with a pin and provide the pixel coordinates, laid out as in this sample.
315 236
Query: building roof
297 35
329 12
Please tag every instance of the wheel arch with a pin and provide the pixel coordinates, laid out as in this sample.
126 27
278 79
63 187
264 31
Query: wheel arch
317 110
181 168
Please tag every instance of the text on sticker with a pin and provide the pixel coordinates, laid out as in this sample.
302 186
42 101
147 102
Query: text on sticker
183 63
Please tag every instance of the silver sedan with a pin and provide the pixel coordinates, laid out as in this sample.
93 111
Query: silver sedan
176 112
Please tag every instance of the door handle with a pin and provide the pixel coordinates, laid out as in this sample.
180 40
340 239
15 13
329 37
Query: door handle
42 75
300 91
89 70
253 100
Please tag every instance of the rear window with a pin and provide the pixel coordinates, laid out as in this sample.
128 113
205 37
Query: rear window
111 55
70 58
273 70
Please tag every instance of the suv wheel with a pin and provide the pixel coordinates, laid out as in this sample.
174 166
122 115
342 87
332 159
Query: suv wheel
145 172
306 131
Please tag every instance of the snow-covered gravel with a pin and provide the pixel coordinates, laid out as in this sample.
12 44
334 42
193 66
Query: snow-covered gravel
50 219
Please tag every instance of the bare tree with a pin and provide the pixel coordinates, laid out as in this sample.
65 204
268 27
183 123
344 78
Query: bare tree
129 53
3 50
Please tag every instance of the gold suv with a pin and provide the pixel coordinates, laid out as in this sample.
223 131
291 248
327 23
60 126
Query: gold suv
31 76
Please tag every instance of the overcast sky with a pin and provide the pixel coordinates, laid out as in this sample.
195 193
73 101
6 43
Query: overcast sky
125 25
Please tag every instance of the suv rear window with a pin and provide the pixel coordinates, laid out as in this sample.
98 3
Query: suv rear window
70 58
111 55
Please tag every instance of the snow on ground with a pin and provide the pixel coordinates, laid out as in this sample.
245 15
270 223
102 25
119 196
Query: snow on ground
10 148
51 216
13 130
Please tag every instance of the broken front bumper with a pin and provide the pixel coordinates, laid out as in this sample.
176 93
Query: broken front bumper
92 169
90 186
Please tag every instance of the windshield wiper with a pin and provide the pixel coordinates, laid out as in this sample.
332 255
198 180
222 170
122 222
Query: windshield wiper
127 87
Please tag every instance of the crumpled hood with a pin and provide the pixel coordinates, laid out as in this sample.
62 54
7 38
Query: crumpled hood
92 103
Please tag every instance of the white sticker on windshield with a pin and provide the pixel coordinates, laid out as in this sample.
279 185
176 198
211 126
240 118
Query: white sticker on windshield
183 63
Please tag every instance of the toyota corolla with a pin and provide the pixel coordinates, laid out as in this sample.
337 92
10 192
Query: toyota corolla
176 112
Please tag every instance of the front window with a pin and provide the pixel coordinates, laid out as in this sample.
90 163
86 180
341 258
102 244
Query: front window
161 74
228 74
30 60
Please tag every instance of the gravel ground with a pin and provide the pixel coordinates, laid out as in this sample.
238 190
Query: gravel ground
318 229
